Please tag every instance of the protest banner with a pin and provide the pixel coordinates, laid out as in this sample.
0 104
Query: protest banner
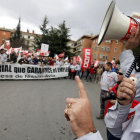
25 71
44 47
87 55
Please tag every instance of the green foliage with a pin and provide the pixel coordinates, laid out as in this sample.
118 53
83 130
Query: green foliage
16 39
57 38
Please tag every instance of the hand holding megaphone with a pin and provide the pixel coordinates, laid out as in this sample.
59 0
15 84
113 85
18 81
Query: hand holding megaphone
116 25
134 39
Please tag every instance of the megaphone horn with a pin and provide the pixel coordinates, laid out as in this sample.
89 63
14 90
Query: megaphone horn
116 25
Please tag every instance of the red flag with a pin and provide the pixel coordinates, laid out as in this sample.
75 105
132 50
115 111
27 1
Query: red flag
7 42
87 54
96 63
61 55
74 59
38 50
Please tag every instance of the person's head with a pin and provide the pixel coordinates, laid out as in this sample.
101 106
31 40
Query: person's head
120 75
100 66
2 51
24 56
12 51
35 56
108 66
40 57
32 57
21 53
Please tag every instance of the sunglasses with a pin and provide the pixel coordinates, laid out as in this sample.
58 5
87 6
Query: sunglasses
119 73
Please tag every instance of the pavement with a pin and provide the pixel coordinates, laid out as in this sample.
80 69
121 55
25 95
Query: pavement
34 109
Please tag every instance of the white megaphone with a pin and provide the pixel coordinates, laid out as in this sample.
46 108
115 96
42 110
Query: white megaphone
116 25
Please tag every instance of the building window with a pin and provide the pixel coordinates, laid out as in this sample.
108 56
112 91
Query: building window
108 49
95 55
114 58
102 48
96 40
117 41
103 56
115 49
96 48
29 37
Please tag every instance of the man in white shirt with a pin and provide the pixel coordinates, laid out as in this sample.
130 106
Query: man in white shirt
3 56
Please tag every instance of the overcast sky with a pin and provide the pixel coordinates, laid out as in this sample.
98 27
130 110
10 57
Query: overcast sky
82 16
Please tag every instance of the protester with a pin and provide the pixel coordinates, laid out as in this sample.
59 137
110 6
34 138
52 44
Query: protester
3 56
51 61
110 103
41 61
23 60
91 73
108 80
72 70
67 62
78 69
35 60
46 60
12 57
59 62
31 61
99 72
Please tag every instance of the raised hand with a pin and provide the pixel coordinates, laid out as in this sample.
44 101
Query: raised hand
78 112
134 39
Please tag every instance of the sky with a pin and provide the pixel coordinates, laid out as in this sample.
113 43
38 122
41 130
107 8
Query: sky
83 17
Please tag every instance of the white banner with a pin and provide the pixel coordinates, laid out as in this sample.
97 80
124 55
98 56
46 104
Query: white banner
25 71
44 47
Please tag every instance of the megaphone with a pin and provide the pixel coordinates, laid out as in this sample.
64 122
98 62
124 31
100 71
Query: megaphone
116 25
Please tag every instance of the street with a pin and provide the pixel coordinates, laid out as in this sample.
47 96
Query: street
34 109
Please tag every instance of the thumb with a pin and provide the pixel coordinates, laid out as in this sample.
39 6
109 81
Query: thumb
82 91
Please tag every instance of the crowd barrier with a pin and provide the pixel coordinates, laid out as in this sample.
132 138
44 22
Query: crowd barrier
26 71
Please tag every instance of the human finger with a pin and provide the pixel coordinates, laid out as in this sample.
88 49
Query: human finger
122 95
132 33
66 114
125 84
71 100
137 31
127 91
128 80
82 91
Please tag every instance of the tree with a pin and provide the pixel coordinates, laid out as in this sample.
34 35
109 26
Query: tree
56 38
64 38
44 37
16 39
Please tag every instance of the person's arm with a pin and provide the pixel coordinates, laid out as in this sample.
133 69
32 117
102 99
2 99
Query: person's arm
127 57
115 117
5 58
91 136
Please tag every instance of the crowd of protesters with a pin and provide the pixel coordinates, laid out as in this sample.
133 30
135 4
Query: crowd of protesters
30 59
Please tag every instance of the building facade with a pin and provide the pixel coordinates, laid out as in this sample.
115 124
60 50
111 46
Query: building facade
107 50
5 34
78 46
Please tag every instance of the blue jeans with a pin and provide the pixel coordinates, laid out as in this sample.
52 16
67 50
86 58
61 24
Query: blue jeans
78 73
